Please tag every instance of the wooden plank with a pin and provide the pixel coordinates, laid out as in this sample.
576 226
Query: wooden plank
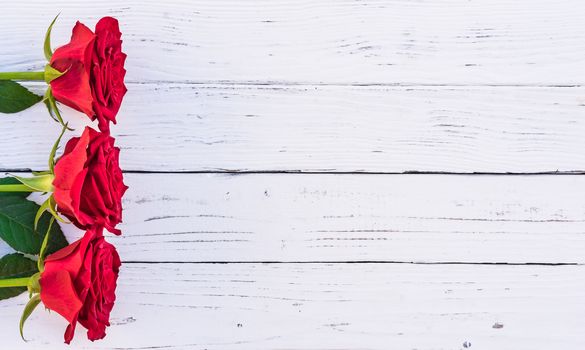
182 127
421 218
536 42
323 306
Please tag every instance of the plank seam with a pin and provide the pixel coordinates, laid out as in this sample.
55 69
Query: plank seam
326 172
338 262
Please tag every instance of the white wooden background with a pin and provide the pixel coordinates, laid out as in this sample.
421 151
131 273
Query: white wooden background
374 174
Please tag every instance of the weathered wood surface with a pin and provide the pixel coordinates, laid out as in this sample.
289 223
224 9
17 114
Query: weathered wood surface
330 306
332 217
421 218
462 261
537 42
179 127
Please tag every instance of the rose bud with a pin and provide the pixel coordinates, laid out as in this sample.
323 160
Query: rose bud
93 66
79 283
88 184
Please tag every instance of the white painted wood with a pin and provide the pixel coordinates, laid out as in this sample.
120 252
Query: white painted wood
178 127
322 306
406 218
421 218
326 41
333 86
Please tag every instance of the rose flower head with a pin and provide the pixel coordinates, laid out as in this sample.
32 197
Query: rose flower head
79 283
88 185
93 66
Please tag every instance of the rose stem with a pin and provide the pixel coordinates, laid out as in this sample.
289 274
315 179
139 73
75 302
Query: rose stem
15 188
22 76
14 282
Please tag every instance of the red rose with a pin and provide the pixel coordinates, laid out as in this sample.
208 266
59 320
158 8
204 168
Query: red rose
88 184
94 65
79 283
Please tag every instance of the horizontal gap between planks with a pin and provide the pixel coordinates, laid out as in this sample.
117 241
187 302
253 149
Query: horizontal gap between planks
333 172
328 172
354 262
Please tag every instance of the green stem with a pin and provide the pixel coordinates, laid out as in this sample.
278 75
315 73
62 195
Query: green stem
14 282
22 76
16 188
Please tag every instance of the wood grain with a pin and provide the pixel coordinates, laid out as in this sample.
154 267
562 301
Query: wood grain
536 42
182 127
219 260
406 218
329 306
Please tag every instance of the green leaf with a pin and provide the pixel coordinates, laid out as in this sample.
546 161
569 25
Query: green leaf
15 266
17 218
15 97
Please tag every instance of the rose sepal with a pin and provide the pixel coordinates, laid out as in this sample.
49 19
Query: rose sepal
51 206
32 304
52 74
54 112
33 285
37 183
47 44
